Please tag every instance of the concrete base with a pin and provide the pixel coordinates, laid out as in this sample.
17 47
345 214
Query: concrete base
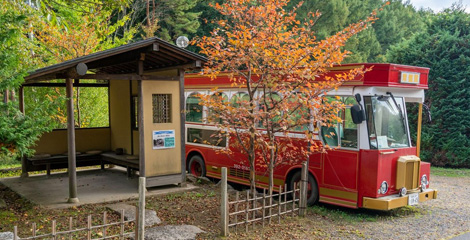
73 200
93 186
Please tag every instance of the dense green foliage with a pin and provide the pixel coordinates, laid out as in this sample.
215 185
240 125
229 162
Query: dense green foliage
17 131
439 41
444 48
397 21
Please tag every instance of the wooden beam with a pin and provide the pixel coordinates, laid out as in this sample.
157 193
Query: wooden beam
72 166
140 68
141 130
64 85
191 65
182 127
130 76
118 59
173 54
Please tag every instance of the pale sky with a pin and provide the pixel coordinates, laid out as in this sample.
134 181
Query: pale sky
438 5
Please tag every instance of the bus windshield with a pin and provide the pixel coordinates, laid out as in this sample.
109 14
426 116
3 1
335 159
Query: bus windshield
386 124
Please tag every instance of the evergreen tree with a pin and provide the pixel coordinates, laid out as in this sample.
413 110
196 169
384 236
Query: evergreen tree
397 22
445 49
17 131
176 19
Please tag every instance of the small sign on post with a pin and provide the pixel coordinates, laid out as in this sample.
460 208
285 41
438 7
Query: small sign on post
163 139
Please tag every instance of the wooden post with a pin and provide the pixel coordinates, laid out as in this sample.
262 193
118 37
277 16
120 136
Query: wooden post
15 232
72 169
264 205
303 190
105 221
224 203
182 127
247 206
24 171
237 197
34 230
293 198
279 205
88 228
141 221
54 230
140 115
121 223
70 227
418 137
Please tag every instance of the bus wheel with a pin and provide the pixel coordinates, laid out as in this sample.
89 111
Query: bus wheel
312 189
197 167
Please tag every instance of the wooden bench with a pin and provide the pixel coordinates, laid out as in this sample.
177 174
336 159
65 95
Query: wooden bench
61 161
128 161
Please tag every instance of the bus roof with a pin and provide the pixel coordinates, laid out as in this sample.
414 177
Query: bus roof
380 75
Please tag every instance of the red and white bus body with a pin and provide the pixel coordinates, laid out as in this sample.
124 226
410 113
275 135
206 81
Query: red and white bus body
367 157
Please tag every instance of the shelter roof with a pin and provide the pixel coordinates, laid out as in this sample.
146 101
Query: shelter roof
154 54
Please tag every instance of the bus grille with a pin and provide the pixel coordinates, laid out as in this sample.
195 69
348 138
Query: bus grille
239 173
408 172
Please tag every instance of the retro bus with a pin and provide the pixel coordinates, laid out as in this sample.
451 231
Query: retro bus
373 163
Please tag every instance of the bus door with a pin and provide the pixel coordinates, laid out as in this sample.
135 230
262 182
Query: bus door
339 183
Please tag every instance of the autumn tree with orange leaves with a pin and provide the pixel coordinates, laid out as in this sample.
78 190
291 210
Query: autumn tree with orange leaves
276 60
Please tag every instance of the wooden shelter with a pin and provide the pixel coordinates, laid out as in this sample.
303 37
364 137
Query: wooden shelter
146 78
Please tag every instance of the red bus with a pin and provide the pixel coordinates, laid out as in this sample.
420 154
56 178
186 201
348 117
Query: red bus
374 164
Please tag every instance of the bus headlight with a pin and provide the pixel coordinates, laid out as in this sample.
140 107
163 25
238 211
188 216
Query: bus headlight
402 192
424 182
383 187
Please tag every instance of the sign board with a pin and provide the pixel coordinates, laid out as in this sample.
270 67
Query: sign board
409 77
163 139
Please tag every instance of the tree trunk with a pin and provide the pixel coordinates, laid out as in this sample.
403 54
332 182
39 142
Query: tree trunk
5 96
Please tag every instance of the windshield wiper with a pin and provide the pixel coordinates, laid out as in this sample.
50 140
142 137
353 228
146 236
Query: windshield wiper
399 111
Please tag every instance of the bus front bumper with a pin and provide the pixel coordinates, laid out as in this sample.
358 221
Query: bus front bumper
395 201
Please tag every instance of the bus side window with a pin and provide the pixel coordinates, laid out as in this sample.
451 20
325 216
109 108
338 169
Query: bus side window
330 136
193 109
343 133
349 131
348 127
206 136
213 115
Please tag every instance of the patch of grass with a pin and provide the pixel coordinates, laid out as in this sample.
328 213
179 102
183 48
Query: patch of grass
16 172
450 172
348 215
344 214
7 162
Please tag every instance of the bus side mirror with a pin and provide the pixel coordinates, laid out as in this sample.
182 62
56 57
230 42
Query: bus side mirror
357 114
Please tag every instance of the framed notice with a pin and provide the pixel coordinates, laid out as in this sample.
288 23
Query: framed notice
163 139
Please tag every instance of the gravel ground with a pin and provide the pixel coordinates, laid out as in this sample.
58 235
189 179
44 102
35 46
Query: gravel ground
441 218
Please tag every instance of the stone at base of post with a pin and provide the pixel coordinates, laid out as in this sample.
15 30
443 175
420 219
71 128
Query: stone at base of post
73 200
183 184
24 175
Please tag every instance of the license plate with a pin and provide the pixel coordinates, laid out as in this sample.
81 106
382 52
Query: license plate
413 199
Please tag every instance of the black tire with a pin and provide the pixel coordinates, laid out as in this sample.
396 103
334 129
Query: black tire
196 166
312 195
